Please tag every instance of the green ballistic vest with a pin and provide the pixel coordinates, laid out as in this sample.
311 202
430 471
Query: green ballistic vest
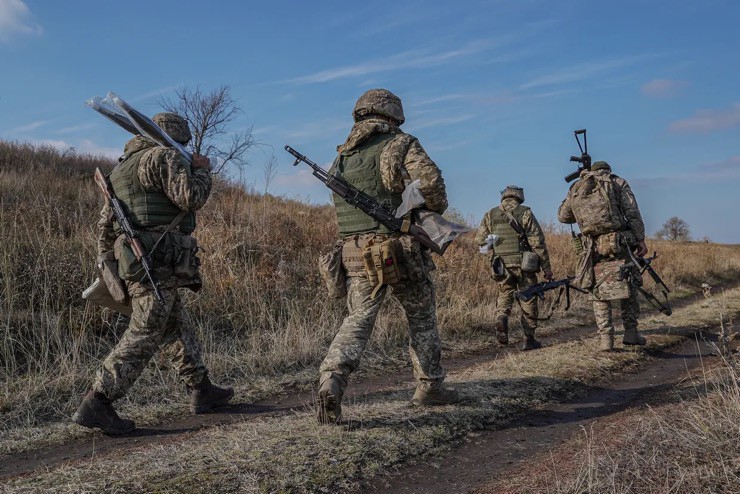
145 208
508 247
361 168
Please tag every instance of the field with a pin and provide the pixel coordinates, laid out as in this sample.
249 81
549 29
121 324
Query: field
265 324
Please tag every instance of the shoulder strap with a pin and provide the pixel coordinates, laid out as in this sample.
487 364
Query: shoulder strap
172 225
513 223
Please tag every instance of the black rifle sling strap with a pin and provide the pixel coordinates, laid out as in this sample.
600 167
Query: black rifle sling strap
514 224
172 225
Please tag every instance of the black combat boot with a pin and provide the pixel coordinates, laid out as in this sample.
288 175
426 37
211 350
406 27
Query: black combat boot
502 330
205 396
530 343
329 403
96 411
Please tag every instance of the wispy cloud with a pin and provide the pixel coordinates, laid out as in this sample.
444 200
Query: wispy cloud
441 122
408 59
153 93
581 72
76 128
728 169
15 19
663 88
28 127
709 120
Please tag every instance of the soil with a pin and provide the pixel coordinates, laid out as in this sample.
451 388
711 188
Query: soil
483 456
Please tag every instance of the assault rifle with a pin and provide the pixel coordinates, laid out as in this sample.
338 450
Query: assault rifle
366 204
584 159
643 264
131 235
539 289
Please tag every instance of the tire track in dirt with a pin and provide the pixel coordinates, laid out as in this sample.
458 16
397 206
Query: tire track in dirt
489 455
97 444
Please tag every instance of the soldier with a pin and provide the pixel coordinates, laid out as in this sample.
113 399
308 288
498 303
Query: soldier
161 192
519 252
379 159
606 211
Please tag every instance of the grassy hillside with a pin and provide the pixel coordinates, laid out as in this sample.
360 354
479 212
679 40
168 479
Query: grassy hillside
263 316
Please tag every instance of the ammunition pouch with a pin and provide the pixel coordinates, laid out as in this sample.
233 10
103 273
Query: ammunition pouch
612 280
382 267
498 269
530 262
332 271
577 242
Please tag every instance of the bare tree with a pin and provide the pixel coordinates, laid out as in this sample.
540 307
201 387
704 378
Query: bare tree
674 229
210 115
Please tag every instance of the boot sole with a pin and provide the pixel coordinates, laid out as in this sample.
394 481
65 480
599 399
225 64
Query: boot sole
211 406
92 424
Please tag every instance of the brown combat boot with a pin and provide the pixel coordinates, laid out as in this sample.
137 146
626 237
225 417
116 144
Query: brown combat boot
96 411
329 403
530 343
502 330
206 396
633 337
606 342
434 393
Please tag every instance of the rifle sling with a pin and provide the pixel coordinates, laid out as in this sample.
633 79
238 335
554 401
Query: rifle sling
172 225
513 223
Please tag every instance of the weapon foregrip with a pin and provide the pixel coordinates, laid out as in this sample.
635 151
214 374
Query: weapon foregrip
573 176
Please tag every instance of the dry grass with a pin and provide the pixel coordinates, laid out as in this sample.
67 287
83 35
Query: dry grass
263 318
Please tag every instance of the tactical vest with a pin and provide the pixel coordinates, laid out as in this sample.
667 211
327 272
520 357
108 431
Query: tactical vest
145 208
361 168
508 247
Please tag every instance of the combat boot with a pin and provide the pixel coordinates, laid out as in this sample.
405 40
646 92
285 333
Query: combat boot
502 330
96 411
434 393
205 396
606 342
329 403
530 343
633 337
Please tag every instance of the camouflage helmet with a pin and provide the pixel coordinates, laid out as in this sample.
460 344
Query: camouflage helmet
513 191
175 126
600 165
379 102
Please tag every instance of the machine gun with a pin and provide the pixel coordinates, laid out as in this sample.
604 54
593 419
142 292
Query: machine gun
539 289
367 204
643 264
584 159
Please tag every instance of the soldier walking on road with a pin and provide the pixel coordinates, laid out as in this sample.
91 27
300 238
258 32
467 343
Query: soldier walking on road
160 191
518 252
606 211
379 159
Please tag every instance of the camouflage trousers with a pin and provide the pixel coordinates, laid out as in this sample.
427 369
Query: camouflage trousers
418 301
630 308
153 327
516 280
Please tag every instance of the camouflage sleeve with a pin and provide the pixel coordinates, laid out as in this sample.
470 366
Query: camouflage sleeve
536 238
106 234
630 210
484 229
404 152
166 170
565 211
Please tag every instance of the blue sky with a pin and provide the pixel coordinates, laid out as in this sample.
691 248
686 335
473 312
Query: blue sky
493 89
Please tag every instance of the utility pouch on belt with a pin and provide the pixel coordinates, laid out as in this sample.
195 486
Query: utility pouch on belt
530 262
498 269
609 244
612 282
109 275
332 271
381 263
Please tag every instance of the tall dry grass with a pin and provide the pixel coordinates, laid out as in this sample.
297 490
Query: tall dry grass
263 315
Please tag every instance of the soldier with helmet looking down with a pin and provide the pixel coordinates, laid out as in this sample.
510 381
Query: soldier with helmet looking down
380 159
160 191
517 252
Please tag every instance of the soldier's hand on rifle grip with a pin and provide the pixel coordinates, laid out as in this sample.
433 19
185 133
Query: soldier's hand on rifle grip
641 249
201 162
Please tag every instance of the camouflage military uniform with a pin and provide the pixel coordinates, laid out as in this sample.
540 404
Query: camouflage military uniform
399 158
153 325
630 234
516 278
